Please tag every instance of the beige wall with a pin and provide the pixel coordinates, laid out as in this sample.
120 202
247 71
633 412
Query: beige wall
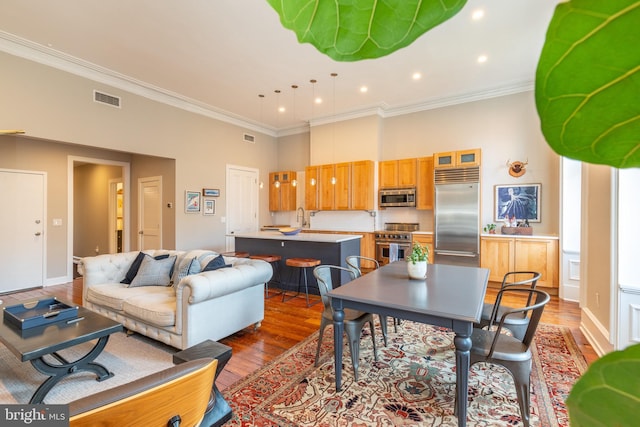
346 141
91 208
56 105
596 244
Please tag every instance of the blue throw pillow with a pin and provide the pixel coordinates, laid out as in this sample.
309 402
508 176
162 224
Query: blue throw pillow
133 270
216 263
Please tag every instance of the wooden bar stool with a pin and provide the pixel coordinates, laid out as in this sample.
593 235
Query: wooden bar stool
274 260
237 254
302 264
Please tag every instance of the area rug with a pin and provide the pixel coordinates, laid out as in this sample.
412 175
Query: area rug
128 356
411 384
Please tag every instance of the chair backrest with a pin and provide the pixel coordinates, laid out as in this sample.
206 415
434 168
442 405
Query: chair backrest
180 393
323 274
533 310
354 263
521 279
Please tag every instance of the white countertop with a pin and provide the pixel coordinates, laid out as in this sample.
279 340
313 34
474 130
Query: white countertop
301 237
522 236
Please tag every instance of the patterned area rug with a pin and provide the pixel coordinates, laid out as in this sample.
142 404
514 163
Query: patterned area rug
411 384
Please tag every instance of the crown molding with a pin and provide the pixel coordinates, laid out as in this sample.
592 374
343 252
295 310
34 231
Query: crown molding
35 52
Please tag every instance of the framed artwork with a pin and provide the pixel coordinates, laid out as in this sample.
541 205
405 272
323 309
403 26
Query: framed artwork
211 192
209 207
192 201
521 201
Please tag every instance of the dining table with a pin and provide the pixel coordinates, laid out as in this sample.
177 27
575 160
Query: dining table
449 296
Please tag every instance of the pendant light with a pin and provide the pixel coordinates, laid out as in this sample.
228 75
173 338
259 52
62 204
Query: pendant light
333 127
277 91
313 101
294 87
261 96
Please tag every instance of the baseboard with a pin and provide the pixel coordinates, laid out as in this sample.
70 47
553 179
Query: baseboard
595 333
61 280
570 292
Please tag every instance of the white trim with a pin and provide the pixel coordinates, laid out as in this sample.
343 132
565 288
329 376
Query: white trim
595 333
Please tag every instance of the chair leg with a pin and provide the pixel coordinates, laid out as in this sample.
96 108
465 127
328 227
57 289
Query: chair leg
373 338
276 271
323 324
306 288
521 373
383 326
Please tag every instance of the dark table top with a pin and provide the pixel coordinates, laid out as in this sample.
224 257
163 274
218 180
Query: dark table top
451 292
35 342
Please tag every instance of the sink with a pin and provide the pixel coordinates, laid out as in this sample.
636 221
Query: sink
273 227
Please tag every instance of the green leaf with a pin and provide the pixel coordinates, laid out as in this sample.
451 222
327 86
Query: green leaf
588 82
352 30
608 394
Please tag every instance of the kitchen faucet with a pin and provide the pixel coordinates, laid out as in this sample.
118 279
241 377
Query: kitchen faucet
300 216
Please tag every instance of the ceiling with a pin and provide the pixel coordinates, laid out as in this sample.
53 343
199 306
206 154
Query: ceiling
219 56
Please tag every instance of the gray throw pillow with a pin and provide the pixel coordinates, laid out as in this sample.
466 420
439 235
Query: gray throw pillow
154 272
187 267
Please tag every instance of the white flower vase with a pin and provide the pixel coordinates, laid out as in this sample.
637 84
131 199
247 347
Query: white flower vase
417 270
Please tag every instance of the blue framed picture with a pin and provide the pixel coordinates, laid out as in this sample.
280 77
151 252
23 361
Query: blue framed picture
192 201
521 201
210 192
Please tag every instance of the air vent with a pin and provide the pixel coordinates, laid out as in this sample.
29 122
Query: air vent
459 175
105 98
249 138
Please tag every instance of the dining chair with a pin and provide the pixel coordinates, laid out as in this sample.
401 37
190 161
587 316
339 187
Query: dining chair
354 263
516 324
354 320
492 346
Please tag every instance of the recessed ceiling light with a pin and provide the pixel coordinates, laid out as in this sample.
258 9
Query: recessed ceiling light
282 109
416 76
477 14
318 100
482 59
364 89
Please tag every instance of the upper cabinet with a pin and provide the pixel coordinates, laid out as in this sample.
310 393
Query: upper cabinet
397 173
457 159
340 186
424 187
282 191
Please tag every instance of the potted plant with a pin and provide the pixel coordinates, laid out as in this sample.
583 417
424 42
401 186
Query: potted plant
417 261
490 228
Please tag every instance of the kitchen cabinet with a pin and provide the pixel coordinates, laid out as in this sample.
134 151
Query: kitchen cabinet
335 181
397 173
311 188
457 159
282 192
340 186
501 254
424 240
362 192
424 186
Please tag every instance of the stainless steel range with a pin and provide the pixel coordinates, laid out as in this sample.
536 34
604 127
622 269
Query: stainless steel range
394 241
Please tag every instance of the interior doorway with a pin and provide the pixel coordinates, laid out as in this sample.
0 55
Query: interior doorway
242 202
93 201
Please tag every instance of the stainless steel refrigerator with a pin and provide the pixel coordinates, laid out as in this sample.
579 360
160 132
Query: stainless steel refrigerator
457 216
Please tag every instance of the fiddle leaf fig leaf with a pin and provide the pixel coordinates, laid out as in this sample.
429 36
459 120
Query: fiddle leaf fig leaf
352 30
608 394
587 86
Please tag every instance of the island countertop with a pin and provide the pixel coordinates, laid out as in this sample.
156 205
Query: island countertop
300 237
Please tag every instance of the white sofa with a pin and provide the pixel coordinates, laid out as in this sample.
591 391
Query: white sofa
206 305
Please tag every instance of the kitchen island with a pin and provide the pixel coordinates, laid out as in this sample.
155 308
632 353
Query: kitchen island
328 248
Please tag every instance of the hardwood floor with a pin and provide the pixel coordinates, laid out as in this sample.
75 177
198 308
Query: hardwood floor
287 323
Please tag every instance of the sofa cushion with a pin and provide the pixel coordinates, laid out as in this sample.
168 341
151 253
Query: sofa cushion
216 263
154 272
113 295
156 307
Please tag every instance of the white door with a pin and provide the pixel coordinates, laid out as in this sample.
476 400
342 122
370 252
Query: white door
242 202
150 213
22 228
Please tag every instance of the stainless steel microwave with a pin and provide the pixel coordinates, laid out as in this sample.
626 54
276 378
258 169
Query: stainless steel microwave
397 197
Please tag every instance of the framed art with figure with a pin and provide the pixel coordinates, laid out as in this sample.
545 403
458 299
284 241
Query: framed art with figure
192 201
521 201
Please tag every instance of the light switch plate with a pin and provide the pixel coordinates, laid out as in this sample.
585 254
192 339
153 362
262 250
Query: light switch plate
57 222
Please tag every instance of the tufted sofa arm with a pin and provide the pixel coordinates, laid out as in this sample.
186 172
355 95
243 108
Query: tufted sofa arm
224 281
